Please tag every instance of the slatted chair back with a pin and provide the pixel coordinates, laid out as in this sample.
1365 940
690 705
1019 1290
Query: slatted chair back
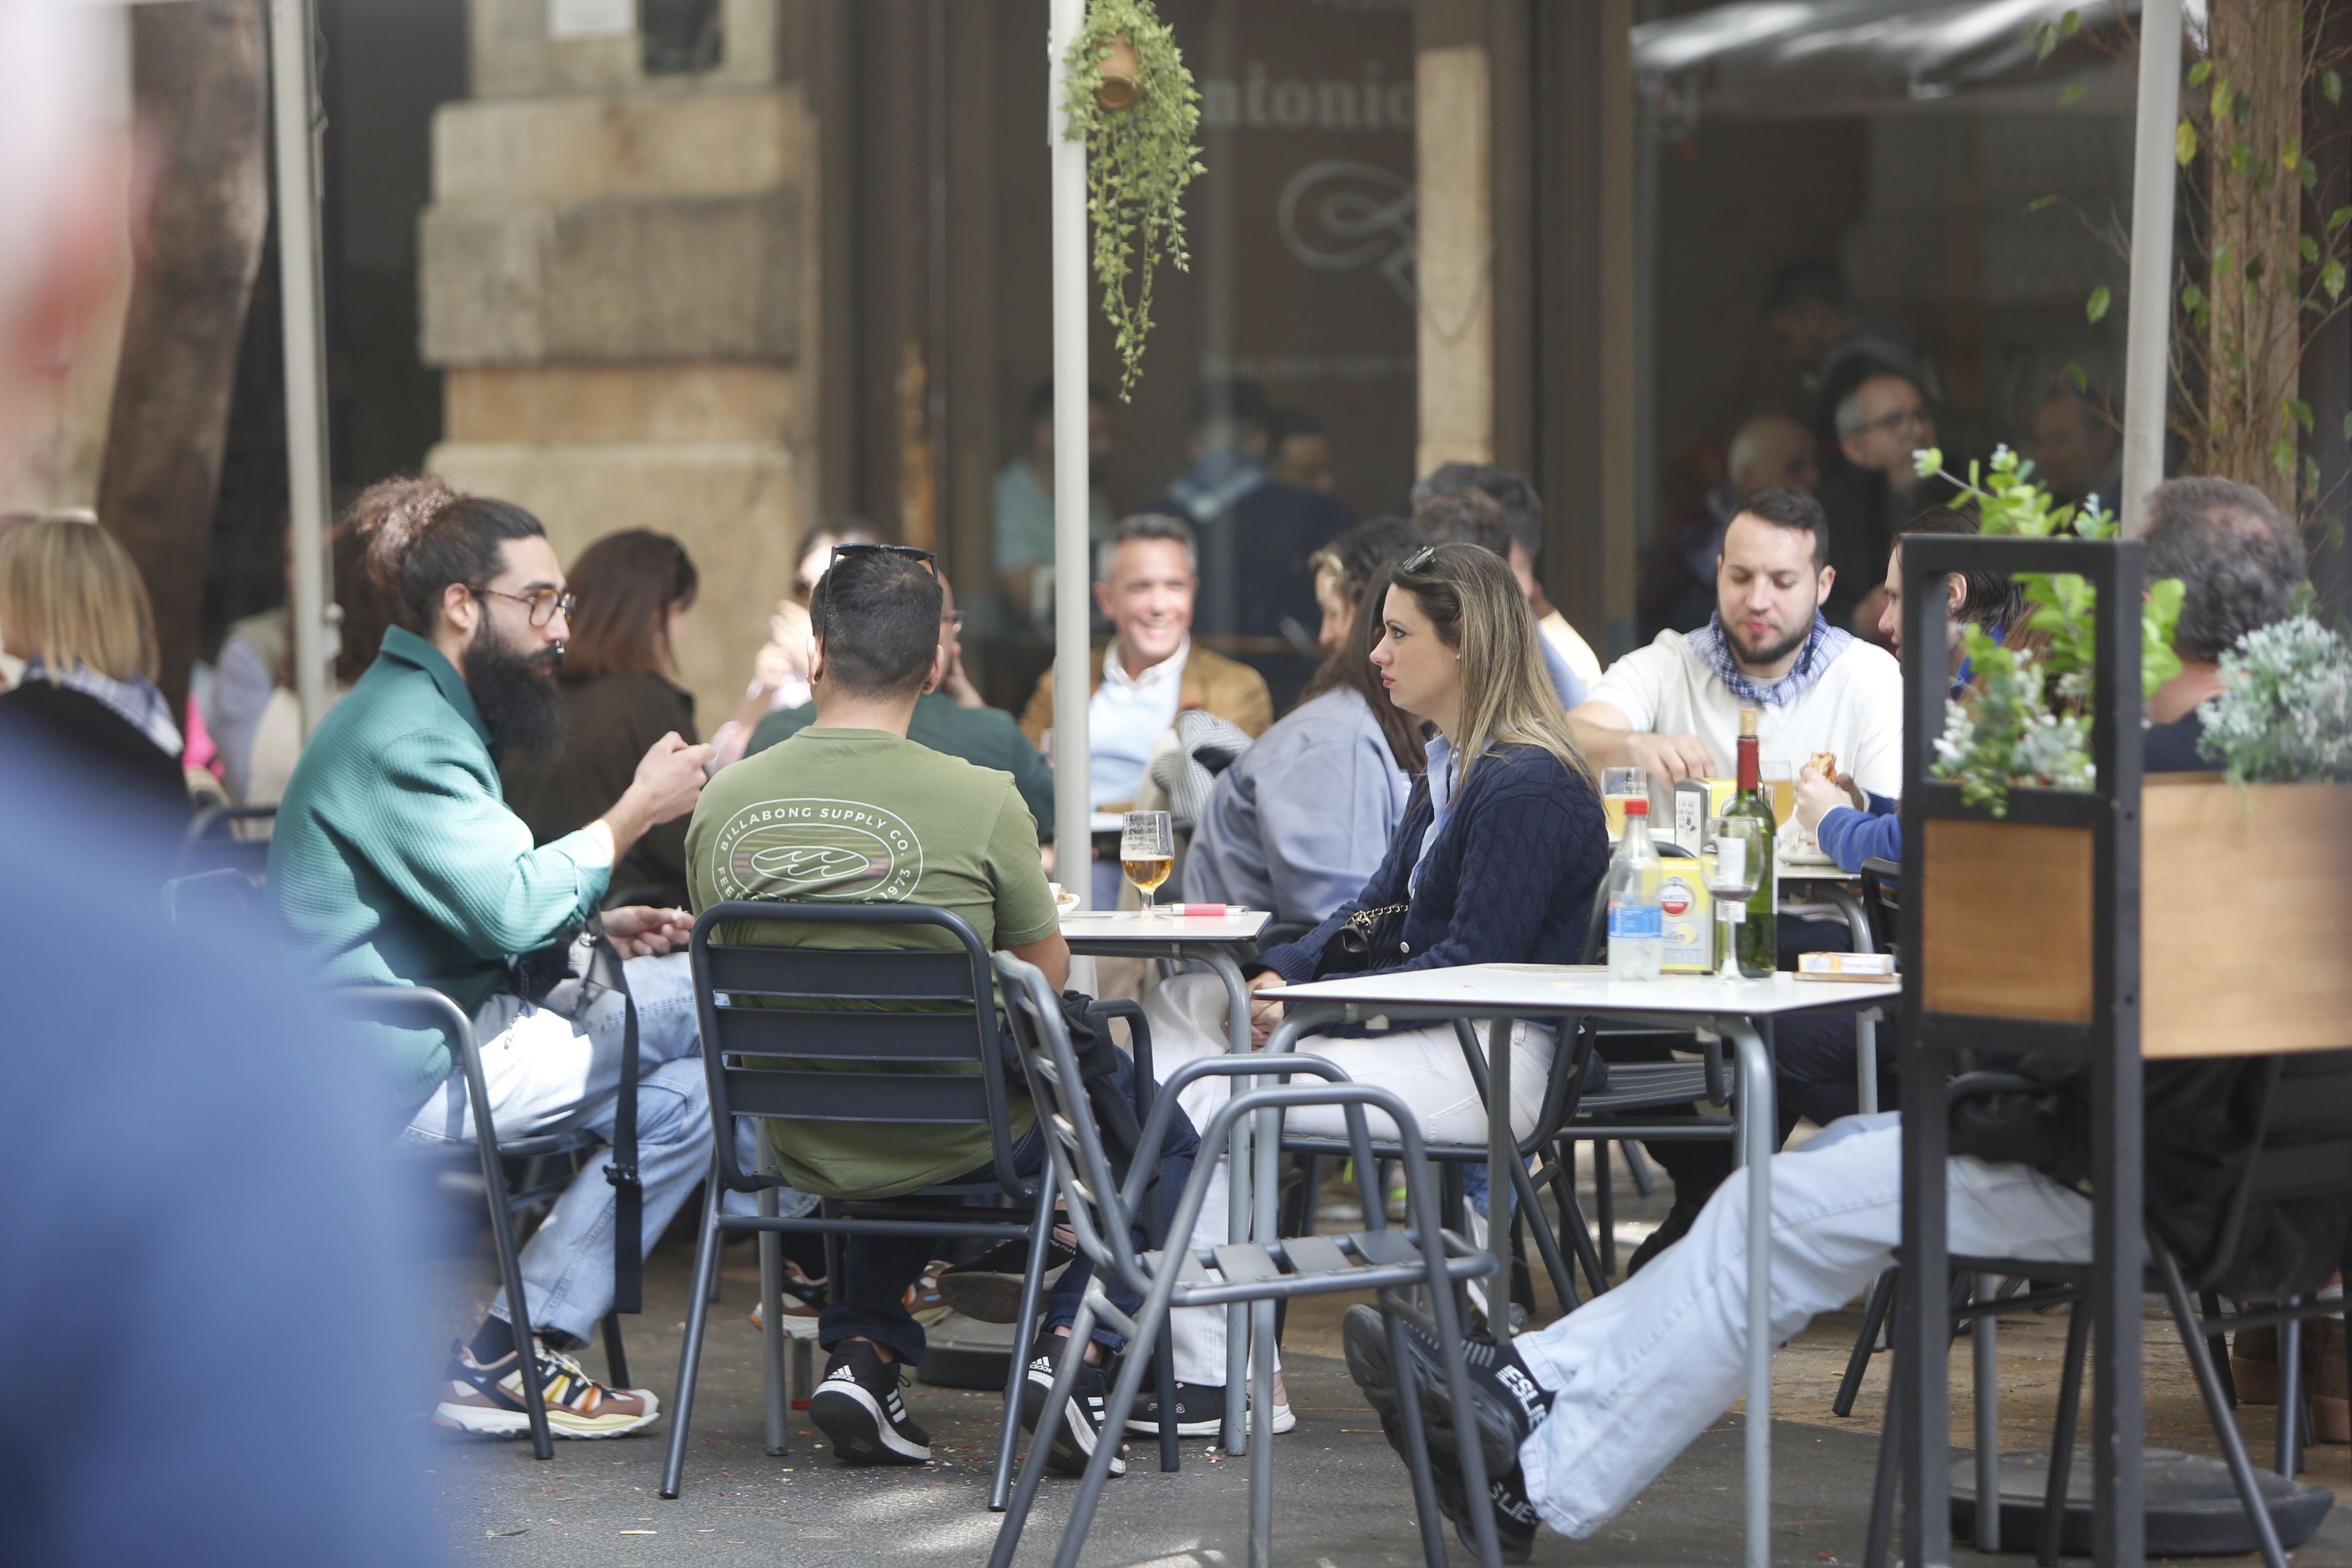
902 1037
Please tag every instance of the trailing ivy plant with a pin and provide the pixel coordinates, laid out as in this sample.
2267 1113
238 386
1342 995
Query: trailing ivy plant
2029 723
1139 161
2284 714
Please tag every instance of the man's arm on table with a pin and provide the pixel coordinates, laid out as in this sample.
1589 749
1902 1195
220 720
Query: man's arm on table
1610 740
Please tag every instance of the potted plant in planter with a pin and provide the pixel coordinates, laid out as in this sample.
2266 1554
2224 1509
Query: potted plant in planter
1126 92
2241 911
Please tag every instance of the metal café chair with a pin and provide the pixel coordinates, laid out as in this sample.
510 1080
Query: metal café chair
1104 1211
420 1007
235 836
794 1034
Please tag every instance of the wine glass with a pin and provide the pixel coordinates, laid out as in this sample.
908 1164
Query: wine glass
1733 873
1147 851
1619 785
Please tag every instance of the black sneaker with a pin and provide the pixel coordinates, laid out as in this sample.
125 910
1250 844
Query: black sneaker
1673 1228
1364 1336
1199 1412
987 1289
1078 1427
857 1405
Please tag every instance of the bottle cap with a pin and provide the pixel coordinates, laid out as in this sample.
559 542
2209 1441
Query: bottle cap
1637 806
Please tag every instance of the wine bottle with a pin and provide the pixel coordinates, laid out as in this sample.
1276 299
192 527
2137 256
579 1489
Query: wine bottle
1756 941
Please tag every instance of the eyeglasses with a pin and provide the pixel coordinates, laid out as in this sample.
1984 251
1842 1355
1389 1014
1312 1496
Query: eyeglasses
1419 558
1890 423
545 605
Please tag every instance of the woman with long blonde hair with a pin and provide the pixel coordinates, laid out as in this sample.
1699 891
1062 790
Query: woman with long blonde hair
1498 857
72 606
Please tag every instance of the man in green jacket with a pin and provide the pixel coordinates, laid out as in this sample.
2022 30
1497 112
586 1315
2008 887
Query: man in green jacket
396 861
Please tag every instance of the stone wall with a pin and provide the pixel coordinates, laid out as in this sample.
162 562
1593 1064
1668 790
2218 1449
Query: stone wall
614 273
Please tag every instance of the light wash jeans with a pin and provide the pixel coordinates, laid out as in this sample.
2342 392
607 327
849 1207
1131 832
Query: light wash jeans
1643 1369
555 1066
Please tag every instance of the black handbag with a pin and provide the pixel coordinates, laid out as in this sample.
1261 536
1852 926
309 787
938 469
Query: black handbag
1372 938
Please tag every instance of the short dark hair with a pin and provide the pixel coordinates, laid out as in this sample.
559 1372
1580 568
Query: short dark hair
1988 599
622 588
1522 508
1232 401
877 613
1147 525
1786 506
2239 561
1041 400
1468 516
1359 553
1810 280
1282 424
422 536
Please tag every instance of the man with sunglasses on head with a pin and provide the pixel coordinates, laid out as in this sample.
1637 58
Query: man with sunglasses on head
396 861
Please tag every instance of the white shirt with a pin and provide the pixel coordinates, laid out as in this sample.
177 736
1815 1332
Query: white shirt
1125 718
1854 710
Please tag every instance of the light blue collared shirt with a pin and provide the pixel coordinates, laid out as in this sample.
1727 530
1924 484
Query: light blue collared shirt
1300 821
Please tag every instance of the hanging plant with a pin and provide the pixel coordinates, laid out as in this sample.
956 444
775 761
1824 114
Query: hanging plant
1125 93
2029 724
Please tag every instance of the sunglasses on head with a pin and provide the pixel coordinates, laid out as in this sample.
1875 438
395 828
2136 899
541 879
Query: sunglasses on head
1419 558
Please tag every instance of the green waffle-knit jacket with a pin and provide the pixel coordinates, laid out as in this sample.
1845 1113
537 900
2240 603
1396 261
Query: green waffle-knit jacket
395 860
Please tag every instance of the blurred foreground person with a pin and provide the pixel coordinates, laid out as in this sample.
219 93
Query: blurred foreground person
140 1241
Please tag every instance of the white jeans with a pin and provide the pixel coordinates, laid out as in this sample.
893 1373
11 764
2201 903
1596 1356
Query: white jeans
1640 1370
1424 1066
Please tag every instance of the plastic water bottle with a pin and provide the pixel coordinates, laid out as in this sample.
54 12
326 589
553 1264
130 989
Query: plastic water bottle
1637 927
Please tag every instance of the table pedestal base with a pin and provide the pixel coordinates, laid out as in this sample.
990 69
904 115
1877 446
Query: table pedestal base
2191 1508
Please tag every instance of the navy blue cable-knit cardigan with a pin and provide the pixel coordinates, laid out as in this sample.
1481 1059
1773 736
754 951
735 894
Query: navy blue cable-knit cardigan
1510 879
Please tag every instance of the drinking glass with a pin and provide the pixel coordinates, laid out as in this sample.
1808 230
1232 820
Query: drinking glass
1733 872
1619 785
1779 781
1147 851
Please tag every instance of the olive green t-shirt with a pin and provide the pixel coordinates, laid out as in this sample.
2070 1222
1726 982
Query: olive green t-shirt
865 816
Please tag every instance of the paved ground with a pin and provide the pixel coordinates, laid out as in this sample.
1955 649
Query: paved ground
1343 1498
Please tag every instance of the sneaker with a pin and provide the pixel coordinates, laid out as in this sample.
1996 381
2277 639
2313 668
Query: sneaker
987 1289
857 1405
1673 1228
922 1300
489 1400
1079 1428
804 1304
1364 1337
1201 1411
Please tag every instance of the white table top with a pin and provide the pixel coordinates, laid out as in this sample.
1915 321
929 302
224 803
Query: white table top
1580 988
1095 927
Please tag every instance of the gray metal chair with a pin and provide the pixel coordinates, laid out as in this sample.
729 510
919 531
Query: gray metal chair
812 1035
1104 1211
420 1007
235 836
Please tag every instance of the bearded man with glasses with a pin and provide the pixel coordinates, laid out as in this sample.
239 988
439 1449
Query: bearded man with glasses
1880 424
398 862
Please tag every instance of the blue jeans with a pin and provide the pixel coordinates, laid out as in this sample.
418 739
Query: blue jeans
555 1066
871 1302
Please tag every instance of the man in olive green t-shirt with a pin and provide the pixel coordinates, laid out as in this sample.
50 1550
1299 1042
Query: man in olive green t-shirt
849 810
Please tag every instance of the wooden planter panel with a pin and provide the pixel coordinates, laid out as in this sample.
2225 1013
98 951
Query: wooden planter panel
2005 921
2245 917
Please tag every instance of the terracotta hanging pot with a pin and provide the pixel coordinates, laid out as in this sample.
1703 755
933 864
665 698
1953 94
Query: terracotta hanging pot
1122 75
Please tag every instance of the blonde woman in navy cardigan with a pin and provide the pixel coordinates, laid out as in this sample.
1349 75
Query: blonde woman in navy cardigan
1499 854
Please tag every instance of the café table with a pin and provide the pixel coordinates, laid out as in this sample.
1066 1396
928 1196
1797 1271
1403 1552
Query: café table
1741 1011
1216 942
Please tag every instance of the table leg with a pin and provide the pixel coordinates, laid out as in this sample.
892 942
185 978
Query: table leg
1257 1193
1866 1023
1502 1149
1238 1186
1756 1116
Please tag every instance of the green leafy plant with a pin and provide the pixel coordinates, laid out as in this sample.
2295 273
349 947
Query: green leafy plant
2028 724
1139 157
2284 714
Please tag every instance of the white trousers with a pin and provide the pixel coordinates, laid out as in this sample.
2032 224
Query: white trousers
1424 1066
1640 1370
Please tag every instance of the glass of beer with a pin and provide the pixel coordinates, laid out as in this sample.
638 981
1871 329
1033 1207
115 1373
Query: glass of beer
1619 785
1779 781
1147 851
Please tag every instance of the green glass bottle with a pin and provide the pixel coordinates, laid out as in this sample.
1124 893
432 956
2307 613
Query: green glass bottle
1757 939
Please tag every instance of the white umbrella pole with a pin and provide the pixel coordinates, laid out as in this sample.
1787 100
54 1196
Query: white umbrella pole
303 293
1072 570
2147 332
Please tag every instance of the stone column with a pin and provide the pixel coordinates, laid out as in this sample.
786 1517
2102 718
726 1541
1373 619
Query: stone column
613 273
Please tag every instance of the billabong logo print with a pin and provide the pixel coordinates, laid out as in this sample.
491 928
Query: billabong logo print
811 848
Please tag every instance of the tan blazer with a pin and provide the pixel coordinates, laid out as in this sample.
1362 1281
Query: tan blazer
1226 687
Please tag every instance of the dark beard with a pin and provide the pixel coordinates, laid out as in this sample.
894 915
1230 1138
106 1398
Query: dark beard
1773 655
515 693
